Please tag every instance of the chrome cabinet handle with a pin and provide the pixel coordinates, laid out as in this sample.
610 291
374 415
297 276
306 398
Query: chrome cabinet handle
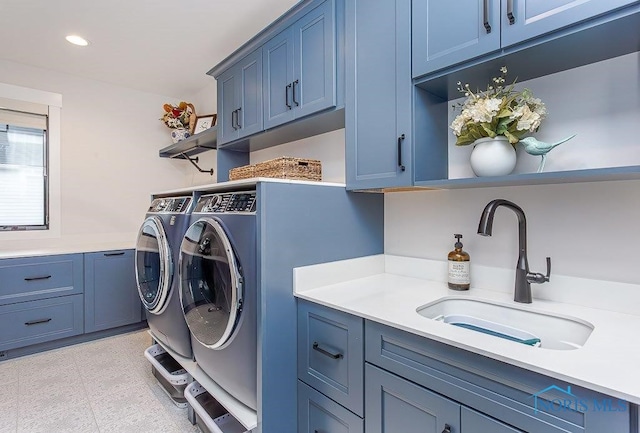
512 18
295 83
336 355
487 26
400 139
46 277
447 429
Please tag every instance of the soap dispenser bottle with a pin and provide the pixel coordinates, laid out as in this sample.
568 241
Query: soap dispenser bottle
459 267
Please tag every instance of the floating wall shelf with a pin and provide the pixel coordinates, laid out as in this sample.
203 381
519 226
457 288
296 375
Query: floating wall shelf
198 143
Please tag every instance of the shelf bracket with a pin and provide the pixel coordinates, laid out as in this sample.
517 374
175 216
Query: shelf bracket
194 161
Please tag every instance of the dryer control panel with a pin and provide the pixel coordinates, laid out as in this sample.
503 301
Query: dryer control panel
170 205
227 202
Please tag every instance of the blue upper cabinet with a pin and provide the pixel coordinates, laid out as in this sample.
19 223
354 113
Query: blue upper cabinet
526 19
378 89
300 67
278 79
240 99
449 33
446 33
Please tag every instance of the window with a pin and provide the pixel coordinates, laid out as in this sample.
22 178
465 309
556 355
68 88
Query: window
23 171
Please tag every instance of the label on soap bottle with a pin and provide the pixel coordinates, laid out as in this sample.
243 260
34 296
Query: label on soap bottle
459 272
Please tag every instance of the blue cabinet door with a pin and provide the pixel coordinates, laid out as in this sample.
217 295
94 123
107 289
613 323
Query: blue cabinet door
526 19
277 56
111 296
395 405
314 75
378 94
320 414
475 422
446 33
227 106
249 111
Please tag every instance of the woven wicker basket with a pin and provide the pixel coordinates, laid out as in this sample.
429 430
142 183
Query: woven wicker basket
244 172
281 168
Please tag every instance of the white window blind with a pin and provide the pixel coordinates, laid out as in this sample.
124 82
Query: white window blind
23 170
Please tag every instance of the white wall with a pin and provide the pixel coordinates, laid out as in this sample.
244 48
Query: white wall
110 137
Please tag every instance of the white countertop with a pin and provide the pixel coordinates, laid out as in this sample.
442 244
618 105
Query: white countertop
68 246
244 183
378 288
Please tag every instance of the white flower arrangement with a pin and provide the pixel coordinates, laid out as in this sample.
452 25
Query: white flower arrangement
497 111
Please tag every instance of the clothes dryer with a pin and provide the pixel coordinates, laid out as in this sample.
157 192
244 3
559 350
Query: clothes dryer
157 253
218 290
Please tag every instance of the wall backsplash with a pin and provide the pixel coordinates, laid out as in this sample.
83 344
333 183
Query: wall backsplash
590 230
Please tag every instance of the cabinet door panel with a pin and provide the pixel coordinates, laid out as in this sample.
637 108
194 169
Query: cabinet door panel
378 94
446 33
250 108
278 69
227 103
533 18
111 295
314 61
319 414
396 405
475 422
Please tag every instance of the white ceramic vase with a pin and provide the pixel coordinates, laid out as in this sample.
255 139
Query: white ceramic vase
179 134
493 156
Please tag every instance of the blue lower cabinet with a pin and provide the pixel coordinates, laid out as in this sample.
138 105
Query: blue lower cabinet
32 322
331 353
319 414
111 295
395 405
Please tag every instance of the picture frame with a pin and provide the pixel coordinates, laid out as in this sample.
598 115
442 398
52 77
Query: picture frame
204 122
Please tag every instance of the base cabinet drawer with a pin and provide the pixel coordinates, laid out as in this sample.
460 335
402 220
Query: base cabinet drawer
331 354
32 278
319 414
475 422
32 322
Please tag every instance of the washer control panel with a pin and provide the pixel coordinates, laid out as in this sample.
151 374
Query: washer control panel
227 202
170 205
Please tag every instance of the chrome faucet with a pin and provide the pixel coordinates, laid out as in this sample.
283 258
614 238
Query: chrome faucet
524 278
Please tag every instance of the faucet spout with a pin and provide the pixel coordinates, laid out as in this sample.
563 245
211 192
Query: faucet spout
522 292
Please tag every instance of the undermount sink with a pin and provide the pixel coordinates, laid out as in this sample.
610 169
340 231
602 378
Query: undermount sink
523 325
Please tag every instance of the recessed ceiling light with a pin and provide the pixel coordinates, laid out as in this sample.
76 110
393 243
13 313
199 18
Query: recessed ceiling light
77 40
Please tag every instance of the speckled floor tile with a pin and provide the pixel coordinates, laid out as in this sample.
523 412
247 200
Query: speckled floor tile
74 419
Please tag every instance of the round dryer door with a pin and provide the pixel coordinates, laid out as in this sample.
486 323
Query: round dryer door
154 265
210 283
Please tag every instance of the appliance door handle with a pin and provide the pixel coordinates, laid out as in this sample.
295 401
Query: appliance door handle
38 321
45 277
317 348
512 18
121 253
295 84
400 139
487 26
286 96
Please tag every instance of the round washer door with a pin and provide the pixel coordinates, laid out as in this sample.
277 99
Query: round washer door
154 265
210 283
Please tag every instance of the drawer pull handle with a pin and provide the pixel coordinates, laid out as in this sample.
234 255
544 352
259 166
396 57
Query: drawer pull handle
36 322
121 253
317 348
46 277
447 429
510 16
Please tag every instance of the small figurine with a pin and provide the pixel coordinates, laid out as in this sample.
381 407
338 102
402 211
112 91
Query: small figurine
534 147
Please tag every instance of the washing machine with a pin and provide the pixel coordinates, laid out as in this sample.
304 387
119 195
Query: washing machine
218 290
157 254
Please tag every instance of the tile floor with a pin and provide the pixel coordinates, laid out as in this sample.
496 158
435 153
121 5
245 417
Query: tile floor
103 386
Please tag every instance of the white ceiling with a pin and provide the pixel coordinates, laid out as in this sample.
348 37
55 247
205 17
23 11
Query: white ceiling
158 46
